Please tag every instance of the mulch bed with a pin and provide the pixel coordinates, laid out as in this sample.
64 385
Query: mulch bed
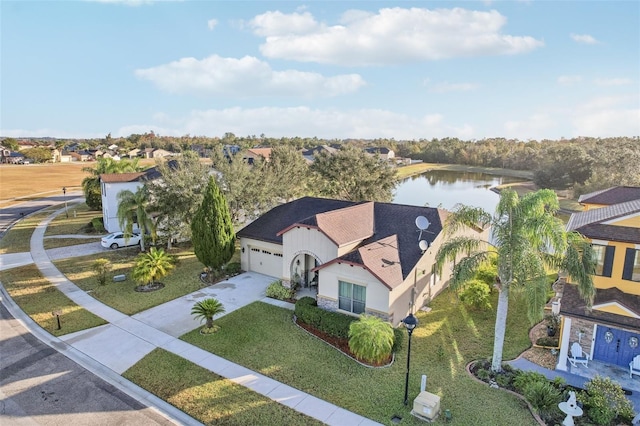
149 287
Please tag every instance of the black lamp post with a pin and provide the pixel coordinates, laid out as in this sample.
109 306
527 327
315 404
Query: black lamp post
64 195
410 322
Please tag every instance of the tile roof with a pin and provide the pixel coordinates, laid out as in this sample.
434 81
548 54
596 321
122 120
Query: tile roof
389 247
613 195
149 174
592 223
572 304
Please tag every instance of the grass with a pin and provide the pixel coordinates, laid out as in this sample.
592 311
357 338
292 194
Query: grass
39 298
206 396
18 239
446 339
414 169
184 279
78 222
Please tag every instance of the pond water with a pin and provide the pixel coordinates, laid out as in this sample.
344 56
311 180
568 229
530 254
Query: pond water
444 188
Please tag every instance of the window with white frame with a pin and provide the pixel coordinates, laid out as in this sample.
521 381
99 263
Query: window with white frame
631 269
604 259
352 297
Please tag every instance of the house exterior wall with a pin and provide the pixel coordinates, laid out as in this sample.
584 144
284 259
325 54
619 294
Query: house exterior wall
305 240
110 202
246 244
631 287
632 221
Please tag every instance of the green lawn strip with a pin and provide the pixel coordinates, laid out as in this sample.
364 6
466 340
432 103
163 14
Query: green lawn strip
39 298
184 279
419 168
78 222
18 238
446 339
206 396
51 243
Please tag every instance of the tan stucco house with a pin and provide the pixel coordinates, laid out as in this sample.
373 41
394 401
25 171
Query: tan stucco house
364 257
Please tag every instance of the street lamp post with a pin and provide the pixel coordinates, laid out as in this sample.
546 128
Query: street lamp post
64 195
410 323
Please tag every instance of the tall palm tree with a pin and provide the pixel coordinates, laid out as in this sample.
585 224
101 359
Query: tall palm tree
207 309
132 208
527 239
91 184
152 266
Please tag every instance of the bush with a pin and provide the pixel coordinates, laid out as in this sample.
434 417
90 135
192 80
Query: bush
542 395
476 295
278 291
525 378
332 323
371 339
551 342
398 339
101 267
233 268
604 402
97 224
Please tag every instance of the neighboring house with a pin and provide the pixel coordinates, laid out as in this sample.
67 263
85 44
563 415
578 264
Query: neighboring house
134 153
610 331
112 183
382 152
252 154
310 154
364 257
65 157
22 145
81 155
154 153
10 157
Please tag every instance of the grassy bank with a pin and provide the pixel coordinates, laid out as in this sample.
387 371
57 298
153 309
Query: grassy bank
415 169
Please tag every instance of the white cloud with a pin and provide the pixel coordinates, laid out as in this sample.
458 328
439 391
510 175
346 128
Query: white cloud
536 126
130 2
245 77
445 87
211 23
394 35
304 121
612 81
569 79
584 38
608 116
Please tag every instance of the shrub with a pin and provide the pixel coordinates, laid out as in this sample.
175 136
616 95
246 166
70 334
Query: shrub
542 395
101 267
97 224
504 379
526 378
206 309
605 402
371 339
233 268
476 295
333 323
551 342
398 339
483 375
278 291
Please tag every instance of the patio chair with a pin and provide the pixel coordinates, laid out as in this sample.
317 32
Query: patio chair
634 366
578 356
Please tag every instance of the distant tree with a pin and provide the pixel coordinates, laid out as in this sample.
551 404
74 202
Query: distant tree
287 173
11 144
91 184
38 155
177 195
133 207
152 266
351 174
212 231
563 167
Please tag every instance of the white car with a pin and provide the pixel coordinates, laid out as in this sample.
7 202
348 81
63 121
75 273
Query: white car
117 240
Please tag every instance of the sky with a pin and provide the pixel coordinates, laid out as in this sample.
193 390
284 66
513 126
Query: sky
407 70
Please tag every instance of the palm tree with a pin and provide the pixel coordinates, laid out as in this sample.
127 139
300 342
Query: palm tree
91 184
371 339
152 266
132 208
527 239
207 309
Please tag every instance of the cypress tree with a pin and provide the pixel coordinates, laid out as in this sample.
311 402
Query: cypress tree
212 231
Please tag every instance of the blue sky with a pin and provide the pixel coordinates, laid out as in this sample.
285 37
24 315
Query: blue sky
331 69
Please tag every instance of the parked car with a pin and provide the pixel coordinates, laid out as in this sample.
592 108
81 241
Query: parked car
117 240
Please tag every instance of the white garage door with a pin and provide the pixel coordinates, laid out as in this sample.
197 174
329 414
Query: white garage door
265 262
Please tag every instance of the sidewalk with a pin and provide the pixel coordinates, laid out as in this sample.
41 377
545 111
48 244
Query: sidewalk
125 340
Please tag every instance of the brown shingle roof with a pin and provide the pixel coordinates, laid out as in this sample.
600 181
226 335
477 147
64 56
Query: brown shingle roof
340 226
121 177
572 304
614 195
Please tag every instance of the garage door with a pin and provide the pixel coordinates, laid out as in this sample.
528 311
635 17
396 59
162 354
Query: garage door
265 262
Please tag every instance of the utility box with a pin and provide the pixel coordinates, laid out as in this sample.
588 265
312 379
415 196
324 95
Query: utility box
426 406
119 278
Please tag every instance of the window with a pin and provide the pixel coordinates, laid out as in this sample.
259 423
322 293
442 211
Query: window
352 297
604 259
631 269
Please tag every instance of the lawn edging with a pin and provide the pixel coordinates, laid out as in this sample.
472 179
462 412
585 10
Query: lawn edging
531 409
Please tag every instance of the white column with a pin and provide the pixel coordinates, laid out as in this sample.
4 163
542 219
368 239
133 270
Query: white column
564 344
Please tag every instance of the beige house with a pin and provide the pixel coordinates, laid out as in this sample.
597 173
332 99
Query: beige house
365 257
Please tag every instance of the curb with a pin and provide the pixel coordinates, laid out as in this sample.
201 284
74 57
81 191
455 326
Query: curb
162 407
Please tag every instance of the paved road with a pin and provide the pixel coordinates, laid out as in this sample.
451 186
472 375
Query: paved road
10 214
39 386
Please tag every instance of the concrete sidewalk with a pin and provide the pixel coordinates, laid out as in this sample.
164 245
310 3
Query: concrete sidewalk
125 340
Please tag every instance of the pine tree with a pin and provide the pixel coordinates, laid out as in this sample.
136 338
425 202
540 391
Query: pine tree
212 231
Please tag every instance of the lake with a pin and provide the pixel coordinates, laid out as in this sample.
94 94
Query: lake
444 188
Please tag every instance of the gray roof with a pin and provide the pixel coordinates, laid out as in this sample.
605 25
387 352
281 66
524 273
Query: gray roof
602 214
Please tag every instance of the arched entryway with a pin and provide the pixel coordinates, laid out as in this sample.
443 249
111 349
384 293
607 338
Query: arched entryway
301 269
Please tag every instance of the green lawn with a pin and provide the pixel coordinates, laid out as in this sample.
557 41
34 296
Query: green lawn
184 279
76 224
446 339
18 238
207 397
39 298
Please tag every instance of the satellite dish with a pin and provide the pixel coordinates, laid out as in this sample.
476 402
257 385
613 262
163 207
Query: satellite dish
422 223
423 244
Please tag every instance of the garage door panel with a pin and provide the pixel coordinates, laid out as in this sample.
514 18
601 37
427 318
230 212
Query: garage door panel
264 261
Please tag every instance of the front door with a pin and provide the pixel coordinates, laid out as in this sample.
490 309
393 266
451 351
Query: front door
615 346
